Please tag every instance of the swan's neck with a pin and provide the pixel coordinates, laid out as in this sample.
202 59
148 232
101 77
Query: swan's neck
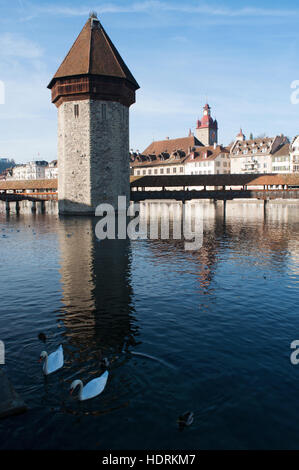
80 384
80 389
46 364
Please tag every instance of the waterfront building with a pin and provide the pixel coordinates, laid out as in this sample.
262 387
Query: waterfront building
34 170
294 154
281 160
195 154
254 155
189 158
93 90
163 157
51 171
208 160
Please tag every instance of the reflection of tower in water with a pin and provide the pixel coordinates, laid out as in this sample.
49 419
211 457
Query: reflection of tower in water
97 294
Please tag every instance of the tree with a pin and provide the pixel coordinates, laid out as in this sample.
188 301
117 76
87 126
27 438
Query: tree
6 163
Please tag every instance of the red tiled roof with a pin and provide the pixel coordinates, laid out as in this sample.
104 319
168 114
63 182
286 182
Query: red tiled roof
282 151
28 184
206 153
171 145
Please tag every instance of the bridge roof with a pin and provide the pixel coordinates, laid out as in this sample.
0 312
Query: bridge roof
216 180
27 184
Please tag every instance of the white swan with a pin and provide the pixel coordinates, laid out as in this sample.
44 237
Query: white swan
92 388
52 362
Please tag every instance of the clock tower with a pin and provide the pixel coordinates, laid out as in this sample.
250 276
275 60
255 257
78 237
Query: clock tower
207 129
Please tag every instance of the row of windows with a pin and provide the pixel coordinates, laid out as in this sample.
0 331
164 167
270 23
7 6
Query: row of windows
207 172
160 171
263 150
281 168
281 159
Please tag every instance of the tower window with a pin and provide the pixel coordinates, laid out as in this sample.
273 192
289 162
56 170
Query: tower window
104 111
76 110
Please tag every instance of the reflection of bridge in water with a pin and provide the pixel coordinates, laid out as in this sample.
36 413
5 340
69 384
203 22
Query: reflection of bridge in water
245 227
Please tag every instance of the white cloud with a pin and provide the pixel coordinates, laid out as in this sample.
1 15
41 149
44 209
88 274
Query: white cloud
17 46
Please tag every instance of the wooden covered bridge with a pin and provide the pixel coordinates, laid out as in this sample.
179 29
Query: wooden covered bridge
176 187
216 187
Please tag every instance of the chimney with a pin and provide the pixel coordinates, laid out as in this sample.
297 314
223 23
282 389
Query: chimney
215 145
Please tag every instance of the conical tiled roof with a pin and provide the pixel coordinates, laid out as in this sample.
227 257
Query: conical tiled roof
93 53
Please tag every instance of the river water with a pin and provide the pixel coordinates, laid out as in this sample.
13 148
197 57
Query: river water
212 329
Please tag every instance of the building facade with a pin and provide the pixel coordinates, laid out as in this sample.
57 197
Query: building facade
281 160
183 156
34 170
294 154
93 90
163 157
51 171
254 155
208 160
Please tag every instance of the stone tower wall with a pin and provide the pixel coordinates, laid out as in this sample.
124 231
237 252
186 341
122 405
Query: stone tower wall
205 135
93 154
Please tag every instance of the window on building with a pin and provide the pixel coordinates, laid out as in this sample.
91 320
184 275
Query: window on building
138 172
156 171
174 170
144 172
181 169
161 171
168 170
76 110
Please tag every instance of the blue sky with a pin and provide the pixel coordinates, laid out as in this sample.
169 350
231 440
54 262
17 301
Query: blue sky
242 56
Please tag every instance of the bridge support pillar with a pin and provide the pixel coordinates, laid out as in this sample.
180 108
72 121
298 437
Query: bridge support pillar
42 207
17 207
7 207
33 206
265 207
